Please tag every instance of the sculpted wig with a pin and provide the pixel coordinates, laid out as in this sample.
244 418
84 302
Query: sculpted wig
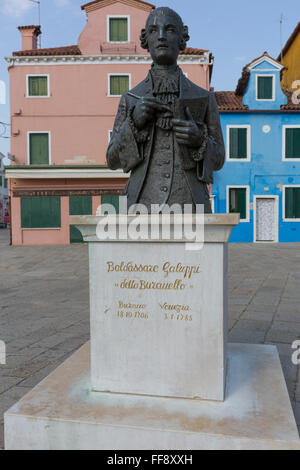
164 11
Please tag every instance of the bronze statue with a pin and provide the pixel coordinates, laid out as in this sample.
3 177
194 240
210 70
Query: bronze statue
167 130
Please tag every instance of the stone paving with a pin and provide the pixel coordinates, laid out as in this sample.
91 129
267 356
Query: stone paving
44 309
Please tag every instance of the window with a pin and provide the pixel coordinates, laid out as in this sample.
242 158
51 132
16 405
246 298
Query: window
118 84
5 183
37 86
118 29
265 87
40 212
291 142
291 203
38 143
238 201
238 143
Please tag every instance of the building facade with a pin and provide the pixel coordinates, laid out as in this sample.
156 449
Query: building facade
63 103
290 58
261 175
4 197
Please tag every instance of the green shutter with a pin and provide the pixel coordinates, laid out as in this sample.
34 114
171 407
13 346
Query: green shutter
292 203
38 86
264 88
238 142
113 200
1 184
237 201
242 202
40 212
118 30
119 84
39 149
5 183
292 143
79 205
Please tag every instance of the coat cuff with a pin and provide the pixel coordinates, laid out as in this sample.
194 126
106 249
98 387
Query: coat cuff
140 136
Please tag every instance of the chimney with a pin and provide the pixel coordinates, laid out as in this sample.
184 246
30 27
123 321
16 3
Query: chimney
29 37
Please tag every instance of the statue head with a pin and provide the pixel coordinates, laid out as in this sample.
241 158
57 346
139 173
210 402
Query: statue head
164 36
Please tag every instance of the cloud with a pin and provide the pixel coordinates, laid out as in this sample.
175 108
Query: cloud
15 8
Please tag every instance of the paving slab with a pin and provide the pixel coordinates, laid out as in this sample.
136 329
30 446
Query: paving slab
44 308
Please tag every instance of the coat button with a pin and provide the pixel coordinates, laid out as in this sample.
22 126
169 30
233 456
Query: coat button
164 189
167 175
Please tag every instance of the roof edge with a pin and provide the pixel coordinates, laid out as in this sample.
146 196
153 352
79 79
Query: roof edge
94 2
289 42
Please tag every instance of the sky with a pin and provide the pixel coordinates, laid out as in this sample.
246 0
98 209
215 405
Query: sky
235 31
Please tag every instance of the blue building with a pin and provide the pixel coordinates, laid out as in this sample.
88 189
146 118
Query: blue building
261 175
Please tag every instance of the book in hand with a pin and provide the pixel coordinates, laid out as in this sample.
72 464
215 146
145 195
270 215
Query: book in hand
197 106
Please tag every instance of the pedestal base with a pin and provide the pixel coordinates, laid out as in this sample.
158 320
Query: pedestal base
62 412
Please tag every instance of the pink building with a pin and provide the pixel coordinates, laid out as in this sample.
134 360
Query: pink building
63 102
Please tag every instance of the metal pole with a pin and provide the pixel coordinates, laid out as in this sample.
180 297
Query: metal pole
39 18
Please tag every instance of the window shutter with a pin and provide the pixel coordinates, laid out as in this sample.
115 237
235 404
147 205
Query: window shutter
234 142
81 205
237 201
265 88
119 84
38 86
292 203
292 143
242 202
238 143
39 149
297 203
289 203
113 200
40 212
118 30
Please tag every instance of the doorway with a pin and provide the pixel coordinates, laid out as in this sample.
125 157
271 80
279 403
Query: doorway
266 219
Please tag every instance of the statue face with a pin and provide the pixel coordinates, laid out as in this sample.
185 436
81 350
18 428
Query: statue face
163 39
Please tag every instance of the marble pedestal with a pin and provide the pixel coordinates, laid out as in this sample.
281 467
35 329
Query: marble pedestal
160 375
159 312
63 413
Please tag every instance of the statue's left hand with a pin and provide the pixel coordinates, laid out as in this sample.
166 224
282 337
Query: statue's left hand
186 131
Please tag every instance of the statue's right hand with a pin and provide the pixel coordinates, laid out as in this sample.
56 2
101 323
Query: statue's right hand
145 110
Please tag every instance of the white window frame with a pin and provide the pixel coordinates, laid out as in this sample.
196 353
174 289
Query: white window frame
284 187
276 216
28 144
239 186
212 199
37 75
108 17
288 126
116 75
273 86
238 126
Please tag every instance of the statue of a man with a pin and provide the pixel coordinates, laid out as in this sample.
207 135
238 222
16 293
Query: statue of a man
167 131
